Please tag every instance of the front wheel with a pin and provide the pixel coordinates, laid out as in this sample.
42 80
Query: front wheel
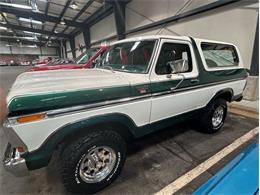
214 116
92 162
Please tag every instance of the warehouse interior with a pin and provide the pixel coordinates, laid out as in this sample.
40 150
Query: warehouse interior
34 33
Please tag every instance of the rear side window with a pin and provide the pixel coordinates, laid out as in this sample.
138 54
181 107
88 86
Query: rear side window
219 55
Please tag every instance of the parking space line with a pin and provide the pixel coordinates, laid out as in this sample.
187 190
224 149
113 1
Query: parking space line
194 173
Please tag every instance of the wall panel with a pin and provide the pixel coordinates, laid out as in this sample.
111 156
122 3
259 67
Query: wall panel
234 23
103 29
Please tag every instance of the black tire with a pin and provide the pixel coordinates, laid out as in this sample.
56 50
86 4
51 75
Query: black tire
75 152
206 121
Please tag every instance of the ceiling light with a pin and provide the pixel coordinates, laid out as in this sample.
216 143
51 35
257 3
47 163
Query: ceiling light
34 6
30 20
8 45
74 5
9 30
46 37
31 33
28 38
3 22
3 28
18 40
16 5
62 22
31 46
56 31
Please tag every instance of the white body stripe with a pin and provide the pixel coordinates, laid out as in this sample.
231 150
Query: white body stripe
35 133
172 105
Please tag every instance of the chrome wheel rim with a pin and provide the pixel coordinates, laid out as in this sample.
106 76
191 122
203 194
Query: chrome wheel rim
97 164
218 116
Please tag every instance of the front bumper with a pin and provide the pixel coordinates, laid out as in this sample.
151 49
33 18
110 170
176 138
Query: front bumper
13 162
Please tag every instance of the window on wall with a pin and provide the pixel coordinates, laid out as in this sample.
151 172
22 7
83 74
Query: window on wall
219 55
174 57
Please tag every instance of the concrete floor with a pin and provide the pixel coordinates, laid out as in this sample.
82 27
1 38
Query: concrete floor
153 161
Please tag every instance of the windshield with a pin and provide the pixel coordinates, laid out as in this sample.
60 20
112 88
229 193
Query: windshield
129 56
83 58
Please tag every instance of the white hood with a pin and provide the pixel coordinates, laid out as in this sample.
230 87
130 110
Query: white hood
40 82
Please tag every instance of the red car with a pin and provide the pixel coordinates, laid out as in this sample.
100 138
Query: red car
85 60
41 62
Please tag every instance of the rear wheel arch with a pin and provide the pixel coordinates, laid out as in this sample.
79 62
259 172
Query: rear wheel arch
225 94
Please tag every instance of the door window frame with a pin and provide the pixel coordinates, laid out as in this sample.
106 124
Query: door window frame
192 74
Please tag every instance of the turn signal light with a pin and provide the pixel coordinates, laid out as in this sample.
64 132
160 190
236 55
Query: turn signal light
30 118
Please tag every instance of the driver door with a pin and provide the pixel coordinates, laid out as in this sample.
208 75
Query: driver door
169 97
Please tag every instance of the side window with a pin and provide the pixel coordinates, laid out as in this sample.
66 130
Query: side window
174 57
219 55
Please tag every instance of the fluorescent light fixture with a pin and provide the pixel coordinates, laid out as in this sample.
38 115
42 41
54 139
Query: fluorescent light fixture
74 5
31 33
18 40
28 38
8 45
3 22
16 5
31 46
3 28
30 20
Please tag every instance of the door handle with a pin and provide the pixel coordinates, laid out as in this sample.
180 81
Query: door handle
194 80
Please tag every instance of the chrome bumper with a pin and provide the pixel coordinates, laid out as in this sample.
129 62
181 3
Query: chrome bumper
14 163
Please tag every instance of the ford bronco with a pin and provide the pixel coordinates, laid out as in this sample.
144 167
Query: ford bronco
140 86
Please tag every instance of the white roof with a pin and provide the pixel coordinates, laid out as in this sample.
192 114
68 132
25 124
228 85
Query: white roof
153 37
186 38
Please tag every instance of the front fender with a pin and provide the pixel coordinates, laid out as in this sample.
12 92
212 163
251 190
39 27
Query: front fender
41 157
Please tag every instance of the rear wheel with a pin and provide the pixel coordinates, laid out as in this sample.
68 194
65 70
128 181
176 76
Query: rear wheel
92 162
214 116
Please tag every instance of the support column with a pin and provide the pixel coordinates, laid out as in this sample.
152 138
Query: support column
41 50
86 35
65 48
119 11
252 87
254 69
72 46
58 52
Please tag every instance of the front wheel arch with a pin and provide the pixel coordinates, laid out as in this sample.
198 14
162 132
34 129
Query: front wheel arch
41 157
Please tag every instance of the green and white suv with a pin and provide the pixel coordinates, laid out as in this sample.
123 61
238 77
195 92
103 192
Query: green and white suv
140 86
